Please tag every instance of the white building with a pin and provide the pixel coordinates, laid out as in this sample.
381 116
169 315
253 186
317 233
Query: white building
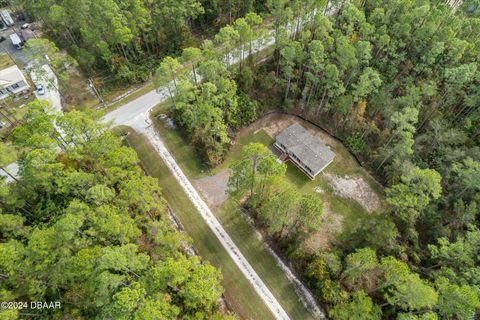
12 81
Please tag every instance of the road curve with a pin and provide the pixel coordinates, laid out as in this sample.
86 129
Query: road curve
141 124
136 114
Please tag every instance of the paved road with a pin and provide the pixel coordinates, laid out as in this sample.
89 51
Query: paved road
136 115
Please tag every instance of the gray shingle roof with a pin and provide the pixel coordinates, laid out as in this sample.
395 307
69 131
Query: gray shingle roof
11 75
311 151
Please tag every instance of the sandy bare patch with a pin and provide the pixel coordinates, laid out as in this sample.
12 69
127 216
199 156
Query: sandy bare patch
213 188
273 124
354 188
331 224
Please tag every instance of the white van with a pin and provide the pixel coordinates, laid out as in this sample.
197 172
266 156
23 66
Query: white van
16 41
7 19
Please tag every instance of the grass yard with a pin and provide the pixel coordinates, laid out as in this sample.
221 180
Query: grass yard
239 293
235 152
338 208
16 111
232 220
76 95
5 61
183 152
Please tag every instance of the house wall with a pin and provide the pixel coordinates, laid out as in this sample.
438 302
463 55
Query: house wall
323 168
297 161
13 88
17 87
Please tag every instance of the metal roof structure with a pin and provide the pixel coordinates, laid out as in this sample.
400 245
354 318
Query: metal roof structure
309 150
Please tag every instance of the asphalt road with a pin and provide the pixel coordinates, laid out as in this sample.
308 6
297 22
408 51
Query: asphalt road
135 114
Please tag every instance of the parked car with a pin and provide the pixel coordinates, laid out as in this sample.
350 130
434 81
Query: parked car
2 124
25 26
2 38
40 89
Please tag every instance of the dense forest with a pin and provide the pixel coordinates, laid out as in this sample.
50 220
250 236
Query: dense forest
399 83
123 40
84 226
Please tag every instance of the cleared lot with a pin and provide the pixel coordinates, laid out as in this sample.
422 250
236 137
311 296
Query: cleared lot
48 79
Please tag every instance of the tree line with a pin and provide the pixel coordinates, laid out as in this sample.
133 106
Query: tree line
398 82
257 181
123 40
83 225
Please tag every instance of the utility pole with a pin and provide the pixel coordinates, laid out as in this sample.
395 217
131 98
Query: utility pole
90 83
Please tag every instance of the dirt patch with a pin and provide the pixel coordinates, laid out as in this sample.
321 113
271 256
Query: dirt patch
273 124
213 188
331 224
354 188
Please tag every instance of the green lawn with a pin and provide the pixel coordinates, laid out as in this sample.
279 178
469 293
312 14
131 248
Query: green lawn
232 220
183 152
348 208
240 295
235 152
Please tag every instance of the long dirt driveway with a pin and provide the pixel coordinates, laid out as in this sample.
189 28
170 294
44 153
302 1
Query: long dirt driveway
136 115
142 125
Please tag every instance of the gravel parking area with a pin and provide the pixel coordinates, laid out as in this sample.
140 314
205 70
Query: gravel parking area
213 188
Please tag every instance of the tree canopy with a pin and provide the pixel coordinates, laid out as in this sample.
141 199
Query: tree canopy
84 225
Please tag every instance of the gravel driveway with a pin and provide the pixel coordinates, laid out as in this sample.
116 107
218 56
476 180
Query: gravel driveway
214 188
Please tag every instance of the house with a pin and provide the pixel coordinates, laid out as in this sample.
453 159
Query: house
306 151
12 80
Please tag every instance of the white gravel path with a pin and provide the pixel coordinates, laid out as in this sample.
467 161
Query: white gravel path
50 83
136 115
141 125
